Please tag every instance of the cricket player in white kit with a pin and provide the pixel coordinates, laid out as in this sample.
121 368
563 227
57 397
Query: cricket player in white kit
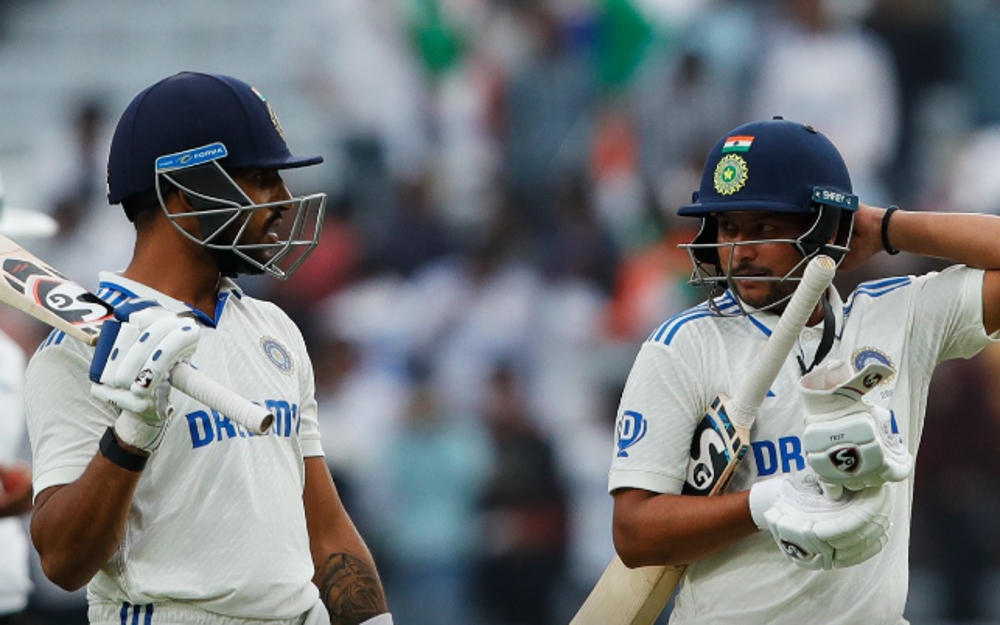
172 513
15 475
815 528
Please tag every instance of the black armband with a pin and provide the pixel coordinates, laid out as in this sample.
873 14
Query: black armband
889 249
113 451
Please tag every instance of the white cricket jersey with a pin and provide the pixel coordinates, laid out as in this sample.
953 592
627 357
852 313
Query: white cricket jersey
217 520
909 323
15 582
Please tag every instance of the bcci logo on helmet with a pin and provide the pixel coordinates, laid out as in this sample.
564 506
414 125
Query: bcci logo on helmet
730 174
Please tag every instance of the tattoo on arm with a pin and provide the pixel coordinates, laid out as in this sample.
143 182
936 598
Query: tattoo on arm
350 589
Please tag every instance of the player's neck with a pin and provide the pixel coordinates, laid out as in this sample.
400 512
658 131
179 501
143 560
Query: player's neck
176 267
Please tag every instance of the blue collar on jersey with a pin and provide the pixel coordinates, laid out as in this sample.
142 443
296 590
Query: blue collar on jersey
116 290
765 320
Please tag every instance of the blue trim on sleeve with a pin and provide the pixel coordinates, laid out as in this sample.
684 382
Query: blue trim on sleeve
666 332
876 289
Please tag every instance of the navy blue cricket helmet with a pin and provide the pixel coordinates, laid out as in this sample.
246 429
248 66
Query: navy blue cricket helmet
188 132
776 166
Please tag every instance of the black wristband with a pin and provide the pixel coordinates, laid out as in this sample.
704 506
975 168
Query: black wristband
113 451
889 249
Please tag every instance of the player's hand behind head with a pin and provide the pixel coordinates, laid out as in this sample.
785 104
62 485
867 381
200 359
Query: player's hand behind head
866 238
131 368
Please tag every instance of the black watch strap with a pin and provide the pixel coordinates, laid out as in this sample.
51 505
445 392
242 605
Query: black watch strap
113 451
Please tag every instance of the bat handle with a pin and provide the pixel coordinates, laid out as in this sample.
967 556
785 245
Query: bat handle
197 385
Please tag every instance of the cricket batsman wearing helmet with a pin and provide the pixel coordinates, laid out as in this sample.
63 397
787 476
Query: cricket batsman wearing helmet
170 512
816 525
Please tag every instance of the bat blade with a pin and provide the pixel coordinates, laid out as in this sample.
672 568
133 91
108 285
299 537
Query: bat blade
624 596
32 286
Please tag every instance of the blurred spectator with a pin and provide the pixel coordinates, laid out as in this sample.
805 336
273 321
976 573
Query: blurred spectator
823 68
701 102
353 61
16 575
977 33
360 404
15 485
923 46
417 235
652 286
548 114
71 166
523 552
972 180
584 451
473 309
435 468
580 246
959 497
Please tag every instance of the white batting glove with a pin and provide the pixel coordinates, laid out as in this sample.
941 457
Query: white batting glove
131 368
816 532
848 441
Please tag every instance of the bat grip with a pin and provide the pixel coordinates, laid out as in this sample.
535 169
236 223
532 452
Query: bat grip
197 385
749 396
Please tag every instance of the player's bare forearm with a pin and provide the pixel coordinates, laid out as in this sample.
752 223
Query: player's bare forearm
663 529
967 238
77 528
350 589
345 574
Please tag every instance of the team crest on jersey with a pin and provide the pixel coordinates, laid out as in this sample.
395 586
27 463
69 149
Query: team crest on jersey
730 174
277 354
865 355
631 429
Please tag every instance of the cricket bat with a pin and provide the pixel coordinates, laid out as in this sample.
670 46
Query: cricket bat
624 596
34 287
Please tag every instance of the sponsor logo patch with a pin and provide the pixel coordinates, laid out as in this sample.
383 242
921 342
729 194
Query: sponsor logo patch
631 429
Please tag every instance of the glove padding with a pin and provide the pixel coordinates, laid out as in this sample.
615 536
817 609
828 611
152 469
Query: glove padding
131 368
816 532
848 441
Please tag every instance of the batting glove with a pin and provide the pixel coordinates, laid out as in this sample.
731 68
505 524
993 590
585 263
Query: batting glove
131 368
815 531
848 441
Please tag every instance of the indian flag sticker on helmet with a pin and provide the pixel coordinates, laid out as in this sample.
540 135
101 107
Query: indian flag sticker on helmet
737 143
730 174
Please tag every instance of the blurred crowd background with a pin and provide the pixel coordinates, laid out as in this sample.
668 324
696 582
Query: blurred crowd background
501 237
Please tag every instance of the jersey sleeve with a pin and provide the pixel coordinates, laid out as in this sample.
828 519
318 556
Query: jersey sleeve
309 434
64 423
659 409
951 301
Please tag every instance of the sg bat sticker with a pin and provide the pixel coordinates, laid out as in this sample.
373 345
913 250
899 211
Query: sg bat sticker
713 447
49 289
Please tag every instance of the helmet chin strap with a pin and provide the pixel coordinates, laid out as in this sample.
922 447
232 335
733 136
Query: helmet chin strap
826 342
